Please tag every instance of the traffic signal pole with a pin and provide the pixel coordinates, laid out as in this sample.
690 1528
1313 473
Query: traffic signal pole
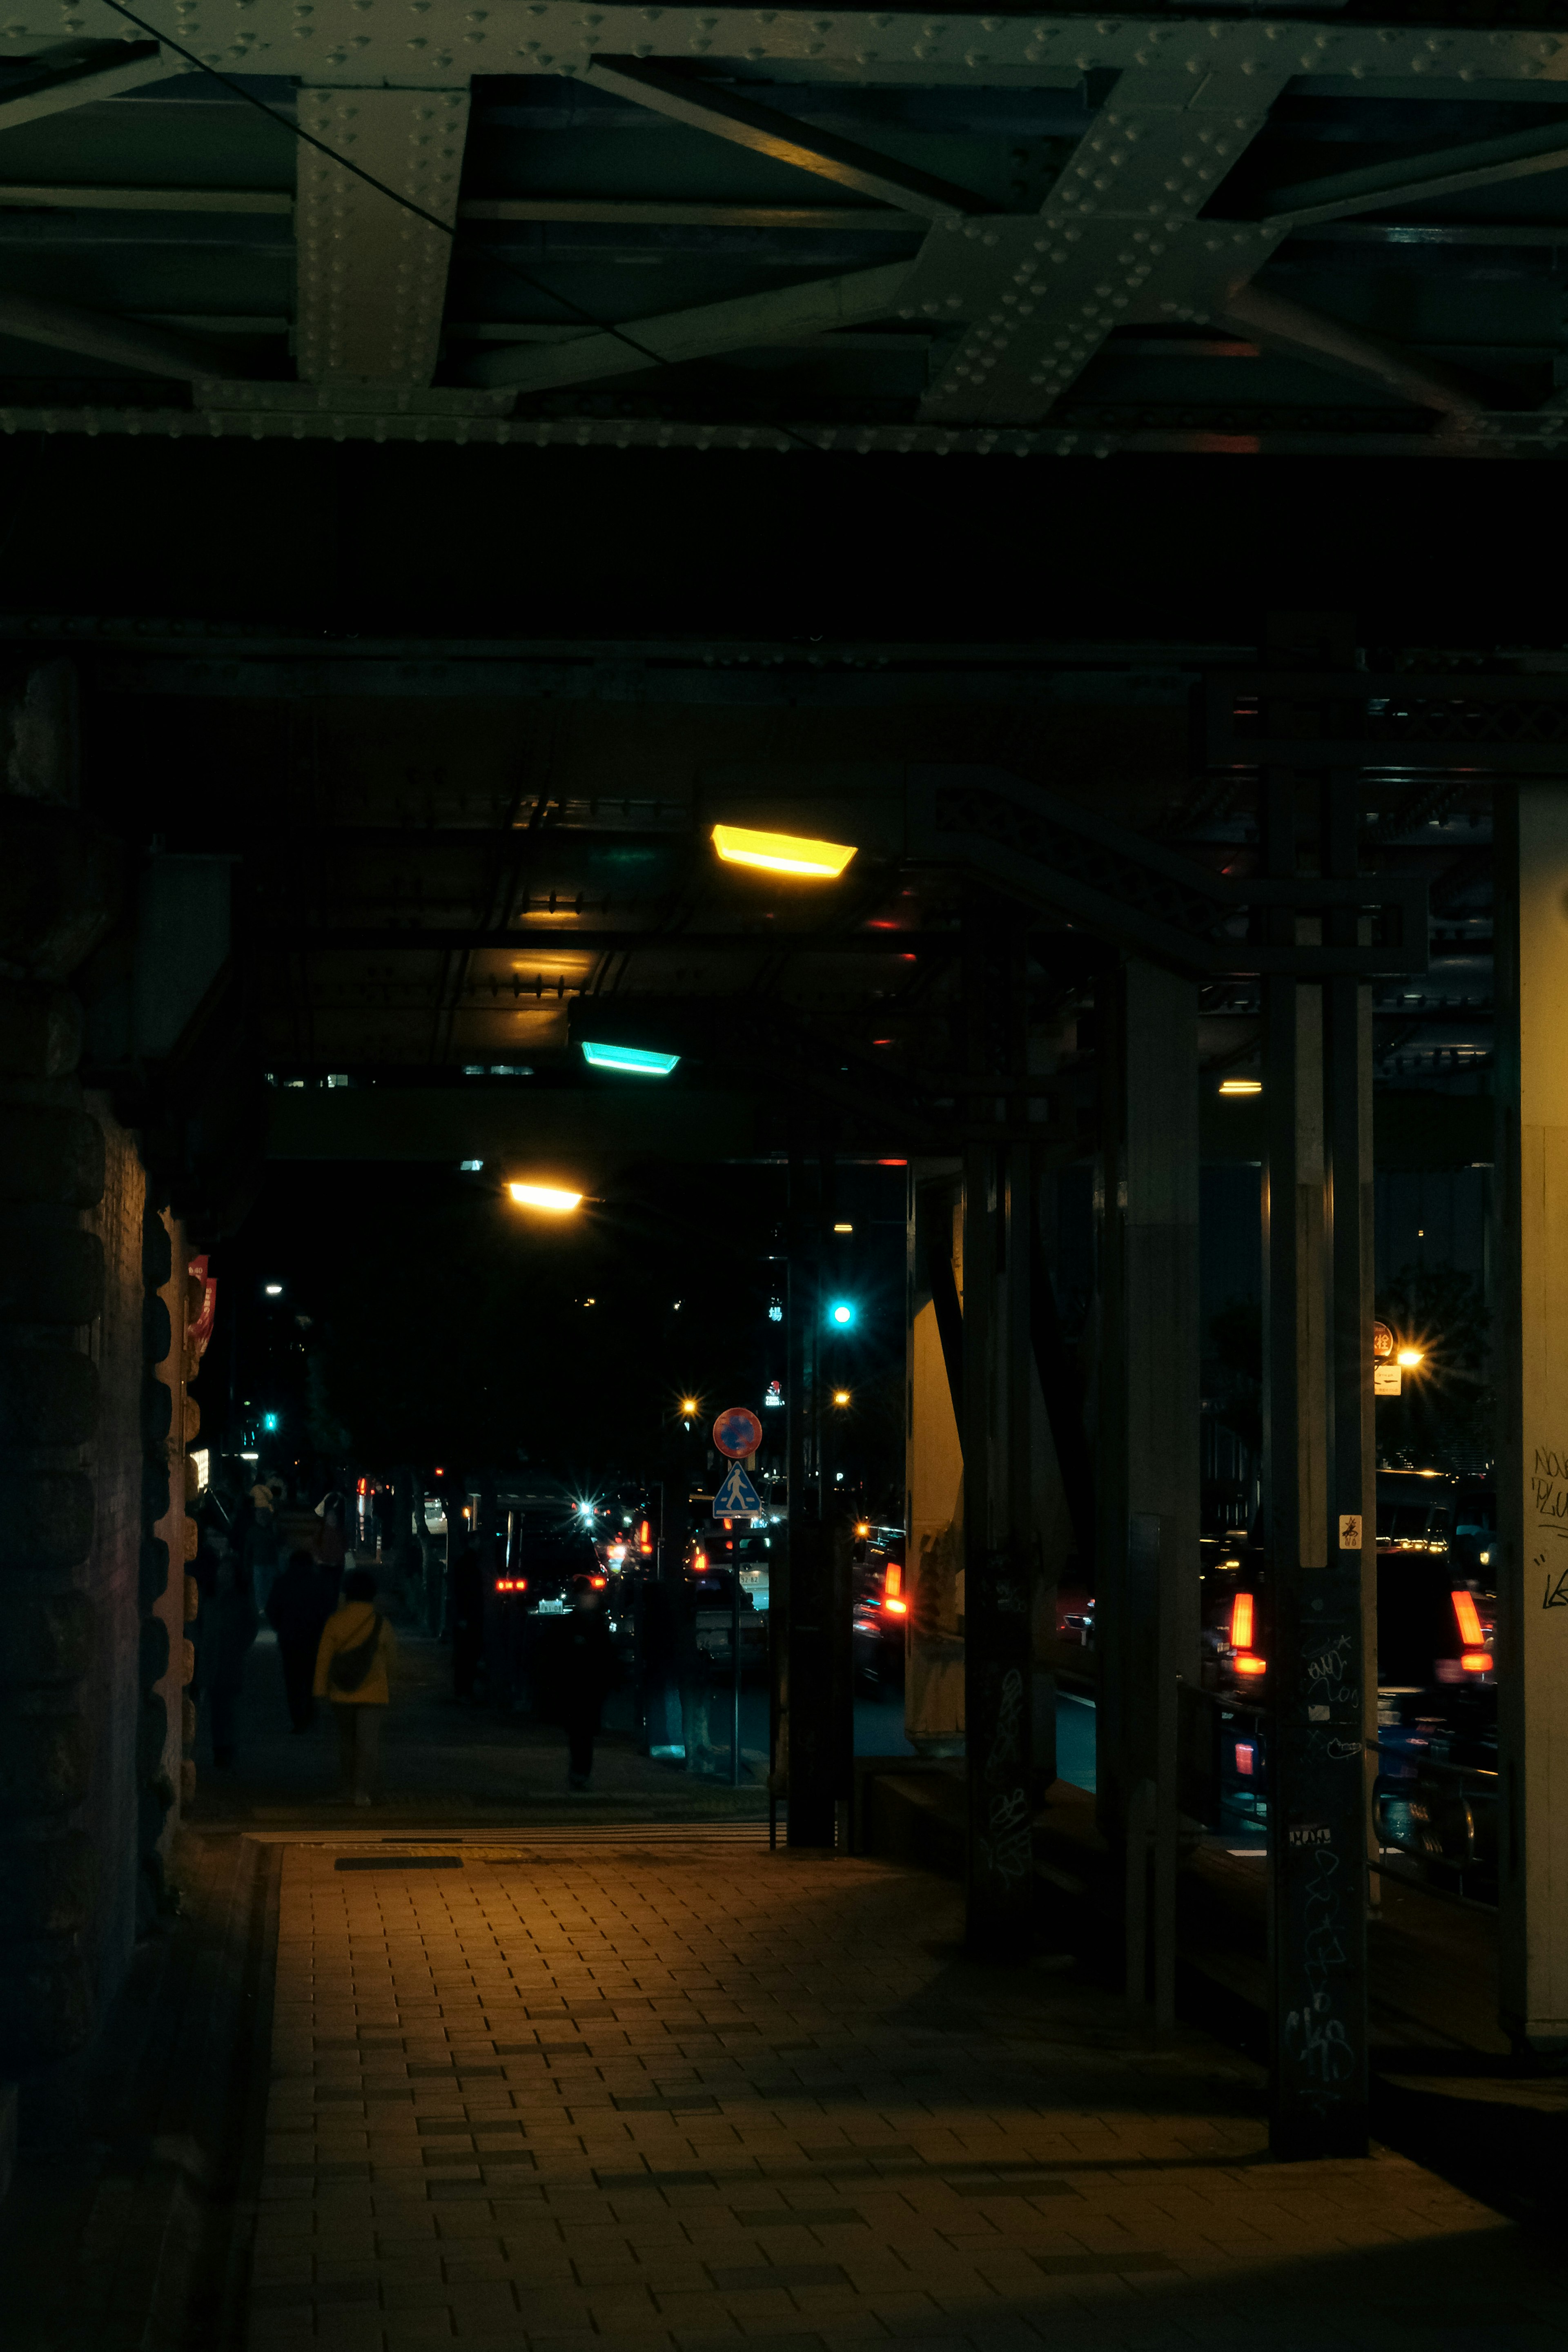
808 1680
1319 1519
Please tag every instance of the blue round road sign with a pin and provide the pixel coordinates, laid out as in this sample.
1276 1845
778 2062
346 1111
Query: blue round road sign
737 1431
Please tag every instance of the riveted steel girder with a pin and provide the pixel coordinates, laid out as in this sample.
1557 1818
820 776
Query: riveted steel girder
1044 292
85 81
444 44
814 308
371 275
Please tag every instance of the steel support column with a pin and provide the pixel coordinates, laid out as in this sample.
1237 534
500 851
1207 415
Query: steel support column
998 1535
1147 1471
1317 1356
933 1463
1147 1475
809 1678
1532 1476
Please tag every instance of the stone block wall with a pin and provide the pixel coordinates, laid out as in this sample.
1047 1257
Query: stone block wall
107 1580
92 1417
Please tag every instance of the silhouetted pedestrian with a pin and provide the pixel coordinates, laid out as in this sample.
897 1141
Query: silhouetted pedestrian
330 1549
228 1629
262 1551
586 1668
351 1671
298 1607
468 1621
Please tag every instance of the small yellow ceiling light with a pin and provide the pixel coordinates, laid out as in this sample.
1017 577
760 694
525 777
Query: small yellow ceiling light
1241 1086
781 853
842 1229
840 1396
559 1203
1411 1356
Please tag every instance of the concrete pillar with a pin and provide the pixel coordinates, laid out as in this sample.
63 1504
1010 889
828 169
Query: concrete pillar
1147 1467
1532 1360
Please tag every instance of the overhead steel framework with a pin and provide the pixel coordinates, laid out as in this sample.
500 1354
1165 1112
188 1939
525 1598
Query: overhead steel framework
537 224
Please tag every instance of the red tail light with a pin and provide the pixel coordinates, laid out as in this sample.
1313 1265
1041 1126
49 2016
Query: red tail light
1477 1662
598 1582
699 1561
1470 1633
645 1538
1241 1616
895 1607
512 1584
1245 1662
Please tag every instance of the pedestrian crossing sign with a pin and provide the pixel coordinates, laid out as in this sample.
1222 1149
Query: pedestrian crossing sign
737 1499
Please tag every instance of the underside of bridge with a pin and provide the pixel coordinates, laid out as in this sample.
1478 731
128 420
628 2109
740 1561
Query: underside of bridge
1194 812
1330 231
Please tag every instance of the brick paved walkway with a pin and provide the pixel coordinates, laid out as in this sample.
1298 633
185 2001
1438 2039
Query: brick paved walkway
596 2100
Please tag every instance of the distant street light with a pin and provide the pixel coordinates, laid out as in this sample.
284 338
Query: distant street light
840 1396
781 853
841 1312
545 1196
273 1290
1411 1356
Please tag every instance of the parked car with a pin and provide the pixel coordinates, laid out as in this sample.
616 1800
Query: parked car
879 1624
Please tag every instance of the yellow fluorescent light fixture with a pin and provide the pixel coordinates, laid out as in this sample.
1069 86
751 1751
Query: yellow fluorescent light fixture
781 853
1241 1086
545 1196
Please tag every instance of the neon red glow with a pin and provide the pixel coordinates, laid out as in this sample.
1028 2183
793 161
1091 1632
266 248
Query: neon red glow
1470 1622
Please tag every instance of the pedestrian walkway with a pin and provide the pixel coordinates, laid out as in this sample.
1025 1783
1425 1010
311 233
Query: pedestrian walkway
659 2096
443 1764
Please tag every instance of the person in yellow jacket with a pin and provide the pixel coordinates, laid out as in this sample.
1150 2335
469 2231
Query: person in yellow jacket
351 1671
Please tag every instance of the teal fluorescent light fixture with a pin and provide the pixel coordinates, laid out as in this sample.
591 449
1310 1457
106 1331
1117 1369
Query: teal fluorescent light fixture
636 1059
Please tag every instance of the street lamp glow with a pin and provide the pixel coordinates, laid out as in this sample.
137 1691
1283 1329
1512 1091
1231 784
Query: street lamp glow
638 1061
781 853
690 1406
1411 1356
559 1204
273 1290
842 1313
840 1396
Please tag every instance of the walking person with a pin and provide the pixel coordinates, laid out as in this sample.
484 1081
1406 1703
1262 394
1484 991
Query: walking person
351 1671
329 1550
298 1607
261 1548
228 1628
468 1621
585 1667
